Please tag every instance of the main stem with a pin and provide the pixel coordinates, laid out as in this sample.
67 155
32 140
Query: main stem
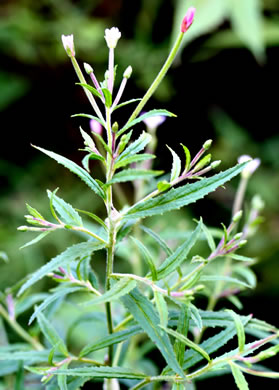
111 232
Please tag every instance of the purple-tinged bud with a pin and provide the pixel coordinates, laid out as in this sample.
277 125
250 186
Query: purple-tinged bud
188 19
251 167
153 122
95 126
68 43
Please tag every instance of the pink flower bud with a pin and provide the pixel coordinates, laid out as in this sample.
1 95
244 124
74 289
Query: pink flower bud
188 19
95 126
68 43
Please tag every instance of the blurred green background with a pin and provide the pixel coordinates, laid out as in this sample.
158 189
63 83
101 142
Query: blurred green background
223 85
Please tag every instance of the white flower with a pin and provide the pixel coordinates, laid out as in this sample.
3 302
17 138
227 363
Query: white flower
250 167
68 43
153 122
112 36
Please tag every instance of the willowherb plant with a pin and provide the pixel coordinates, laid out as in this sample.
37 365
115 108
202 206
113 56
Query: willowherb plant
154 305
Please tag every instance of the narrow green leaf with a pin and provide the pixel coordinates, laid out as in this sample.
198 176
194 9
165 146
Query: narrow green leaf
102 372
176 165
72 253
239 377
182 328
147 257
120 288
162 308
143 312
209 237
90 117
61 292
187 158
91 156
115 338
36 239
188 342
158 239
177 257
124 141
241 257
91 89
62 378
27 302
34 212
181 196
51 334
125 103
107 96
196 317
19 379
135 147
217 278
30 356
134 158
67 213
88 141
148 114
73 167
133 174
239 329
95 217
246 273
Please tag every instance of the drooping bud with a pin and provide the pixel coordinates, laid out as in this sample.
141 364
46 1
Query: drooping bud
250 167
68 43
88 68
128 72
188 19
112 36
207 144
95 126
237 216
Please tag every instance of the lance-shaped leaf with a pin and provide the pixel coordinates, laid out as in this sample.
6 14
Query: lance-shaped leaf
30 356
51 334
158 239
125 103
134 158
176 165
135 147
36 239
144 313
147 257
107 96
239 329
90 117
119 289
133 174
61 292
181 196
74 252
115 338
91 89
102 372
67 213
162 308
239 378
228 279
182 328
73 167
148 114
188 342
177 257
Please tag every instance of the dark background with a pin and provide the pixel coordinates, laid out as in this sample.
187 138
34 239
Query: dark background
220 87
